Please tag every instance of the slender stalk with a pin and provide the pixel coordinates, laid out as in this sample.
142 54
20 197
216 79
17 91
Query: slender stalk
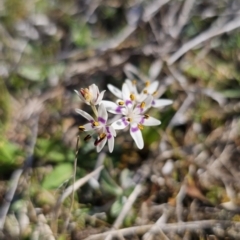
74 171
94 110
74 180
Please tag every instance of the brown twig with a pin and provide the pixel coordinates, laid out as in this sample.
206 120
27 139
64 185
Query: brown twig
126 208
139 230
202 37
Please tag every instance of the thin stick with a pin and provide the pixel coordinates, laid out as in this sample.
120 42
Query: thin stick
182 18
74 180
202 37
163 219
140 230
132 198
74 171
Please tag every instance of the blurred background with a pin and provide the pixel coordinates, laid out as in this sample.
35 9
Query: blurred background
189 168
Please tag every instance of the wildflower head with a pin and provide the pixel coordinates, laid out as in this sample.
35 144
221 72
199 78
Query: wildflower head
90 95
130 108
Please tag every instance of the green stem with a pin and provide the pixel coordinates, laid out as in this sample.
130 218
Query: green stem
94 110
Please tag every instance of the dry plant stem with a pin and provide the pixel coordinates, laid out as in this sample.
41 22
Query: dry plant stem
126 208
74 180
152 9
179 202
202 37
182 18
74 172
140 230
180 115
68 192
163 219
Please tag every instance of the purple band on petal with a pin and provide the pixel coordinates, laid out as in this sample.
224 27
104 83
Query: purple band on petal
119 110
109 136
153 102
124 121
102 120
134 129
142 121
107 128
128 102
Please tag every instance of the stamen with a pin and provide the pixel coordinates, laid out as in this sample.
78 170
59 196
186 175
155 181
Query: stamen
132 96
102 135
82 91
86 94
140 126
147 83
154 93
87 137
129 119
145 91
146 116
95 124
81 128
134 82
121 103
142 105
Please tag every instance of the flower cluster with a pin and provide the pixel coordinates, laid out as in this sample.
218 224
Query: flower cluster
130 108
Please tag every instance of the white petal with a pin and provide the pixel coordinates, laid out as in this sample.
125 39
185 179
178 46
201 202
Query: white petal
120 124
113 107
84 114
141 97
76 91
125 92
102 114
112 131
137 135
148 102
88 127
110 143
153 87
94 90
155 69
109 104
114 90
161 102
132 87
100 97
101 144
150 121
131 71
